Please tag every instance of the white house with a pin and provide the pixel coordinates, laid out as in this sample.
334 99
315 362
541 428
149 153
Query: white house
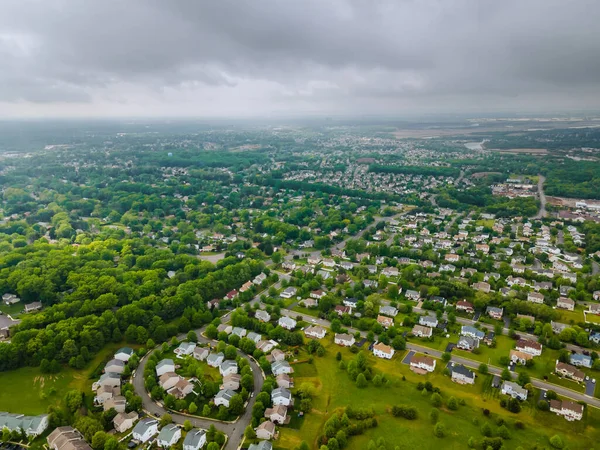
287 322
145 429
568 409
514 390
281 396
31 425
315 332
228 367
383 351
124 354
164 366
215 359
168 436
194 439
279 367
460 374
185 349
262 315
347 340
124 421
422 363
223 397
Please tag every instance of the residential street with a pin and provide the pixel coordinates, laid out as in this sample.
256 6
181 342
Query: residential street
233 430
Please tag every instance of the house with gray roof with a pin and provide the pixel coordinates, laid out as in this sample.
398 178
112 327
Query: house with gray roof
185 349
279 367
254 337
223 397
460 374
228 367
194 439
124 353
107 379
281 396
31 425
115 366
262 445
215 359
145 429
467 330
168 436
164 366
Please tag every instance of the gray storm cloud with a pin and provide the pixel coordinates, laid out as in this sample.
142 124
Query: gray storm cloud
185 57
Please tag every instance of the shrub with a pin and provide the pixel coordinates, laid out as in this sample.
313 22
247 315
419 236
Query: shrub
405 411
434 415
483 369
439 430
543 405
436 400
452 404
556 442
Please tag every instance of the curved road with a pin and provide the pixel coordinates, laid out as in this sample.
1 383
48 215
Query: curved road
234 431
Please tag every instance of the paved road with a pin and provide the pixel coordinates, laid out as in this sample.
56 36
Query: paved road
540 384
233 430
542 212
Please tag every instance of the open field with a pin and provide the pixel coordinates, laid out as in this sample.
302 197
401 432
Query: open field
37 391
335 390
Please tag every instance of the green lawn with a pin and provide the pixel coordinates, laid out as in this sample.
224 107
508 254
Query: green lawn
489 355
335 390
13 310
37 391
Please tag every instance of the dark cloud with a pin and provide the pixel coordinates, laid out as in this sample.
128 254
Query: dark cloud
185 57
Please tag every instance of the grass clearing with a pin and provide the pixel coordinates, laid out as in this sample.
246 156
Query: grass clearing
335 390
38 391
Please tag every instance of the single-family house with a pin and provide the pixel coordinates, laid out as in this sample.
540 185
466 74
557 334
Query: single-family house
124 421
460 374
123 354
346 340
529 346
223 397
265 430
315 332
164 366
421 331
383 351
569 371
228 367
514 390
262 315
168 436
281 396
422 363
568 409
215 359
145 429
194 439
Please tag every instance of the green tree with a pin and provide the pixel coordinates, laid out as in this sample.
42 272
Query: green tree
436 400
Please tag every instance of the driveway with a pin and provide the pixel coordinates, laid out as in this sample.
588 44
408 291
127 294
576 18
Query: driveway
590 387
408 357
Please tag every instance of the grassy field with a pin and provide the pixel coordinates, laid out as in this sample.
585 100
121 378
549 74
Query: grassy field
37 391
335 390
13 310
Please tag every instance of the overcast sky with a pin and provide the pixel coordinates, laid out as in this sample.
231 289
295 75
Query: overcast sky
277 57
